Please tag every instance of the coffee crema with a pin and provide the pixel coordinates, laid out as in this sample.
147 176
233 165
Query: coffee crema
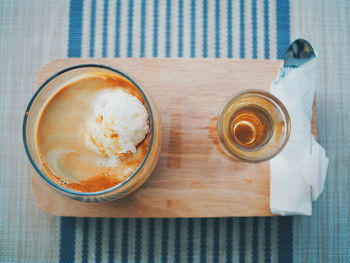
89 157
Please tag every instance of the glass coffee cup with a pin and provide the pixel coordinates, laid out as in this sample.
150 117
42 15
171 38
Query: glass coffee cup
35 108
253 126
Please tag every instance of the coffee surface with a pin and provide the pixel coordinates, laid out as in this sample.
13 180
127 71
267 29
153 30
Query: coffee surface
62 130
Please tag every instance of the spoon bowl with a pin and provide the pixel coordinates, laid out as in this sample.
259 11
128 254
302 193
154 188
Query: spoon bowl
298 53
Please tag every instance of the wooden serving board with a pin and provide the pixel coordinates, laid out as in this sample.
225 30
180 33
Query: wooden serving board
194 178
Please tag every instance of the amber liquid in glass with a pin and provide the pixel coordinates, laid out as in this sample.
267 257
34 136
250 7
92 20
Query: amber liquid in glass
250 127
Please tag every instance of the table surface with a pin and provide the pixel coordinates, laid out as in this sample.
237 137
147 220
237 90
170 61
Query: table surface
35 32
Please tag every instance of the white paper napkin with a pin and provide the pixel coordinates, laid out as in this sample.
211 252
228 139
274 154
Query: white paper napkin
298 173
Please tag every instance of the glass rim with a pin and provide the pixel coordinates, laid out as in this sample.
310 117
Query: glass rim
27 113
281 107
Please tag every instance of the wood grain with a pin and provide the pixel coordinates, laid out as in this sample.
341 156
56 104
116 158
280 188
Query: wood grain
194 178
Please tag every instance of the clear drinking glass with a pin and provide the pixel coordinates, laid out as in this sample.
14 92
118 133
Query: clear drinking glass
253 126
38 101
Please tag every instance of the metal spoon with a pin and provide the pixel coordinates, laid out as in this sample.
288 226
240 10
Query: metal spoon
298 53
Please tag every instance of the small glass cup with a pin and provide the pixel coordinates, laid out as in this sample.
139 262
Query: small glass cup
253 126
39 100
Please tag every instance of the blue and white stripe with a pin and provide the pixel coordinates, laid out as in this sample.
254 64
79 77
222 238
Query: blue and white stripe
180 28
165 28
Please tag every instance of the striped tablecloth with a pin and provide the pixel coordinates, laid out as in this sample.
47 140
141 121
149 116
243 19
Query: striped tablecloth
34 32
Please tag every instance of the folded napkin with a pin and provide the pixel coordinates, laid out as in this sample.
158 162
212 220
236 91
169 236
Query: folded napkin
298 172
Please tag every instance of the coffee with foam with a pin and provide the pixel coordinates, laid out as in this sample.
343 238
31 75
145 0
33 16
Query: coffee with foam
93 133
